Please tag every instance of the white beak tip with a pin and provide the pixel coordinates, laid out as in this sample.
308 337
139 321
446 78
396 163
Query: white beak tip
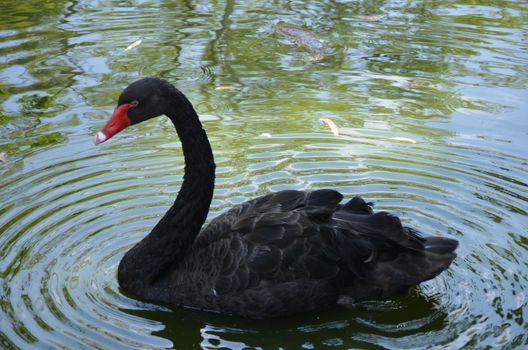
99 138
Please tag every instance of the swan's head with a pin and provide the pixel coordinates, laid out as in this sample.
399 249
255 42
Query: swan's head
143 99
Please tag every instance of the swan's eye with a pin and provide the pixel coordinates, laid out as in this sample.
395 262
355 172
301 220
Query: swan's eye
134 104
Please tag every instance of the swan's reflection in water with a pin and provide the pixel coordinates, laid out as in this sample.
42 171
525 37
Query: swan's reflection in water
401 320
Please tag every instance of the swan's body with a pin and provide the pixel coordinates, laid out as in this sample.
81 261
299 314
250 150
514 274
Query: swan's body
275 255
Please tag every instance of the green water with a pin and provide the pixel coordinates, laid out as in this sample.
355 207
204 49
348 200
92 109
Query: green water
430 99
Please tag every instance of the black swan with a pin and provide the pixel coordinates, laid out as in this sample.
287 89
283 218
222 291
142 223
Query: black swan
279 254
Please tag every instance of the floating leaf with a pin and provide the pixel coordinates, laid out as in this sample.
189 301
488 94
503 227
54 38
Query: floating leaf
403 139
3 156
134 44
370 18
331 125
225 87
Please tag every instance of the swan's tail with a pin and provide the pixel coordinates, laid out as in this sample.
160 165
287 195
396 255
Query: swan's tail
411 268
439 254
392 257
441 246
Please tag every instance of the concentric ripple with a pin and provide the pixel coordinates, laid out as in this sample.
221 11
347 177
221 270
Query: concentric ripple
429 102
67 224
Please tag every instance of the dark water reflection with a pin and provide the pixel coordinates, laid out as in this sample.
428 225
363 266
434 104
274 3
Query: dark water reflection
362 322
430 101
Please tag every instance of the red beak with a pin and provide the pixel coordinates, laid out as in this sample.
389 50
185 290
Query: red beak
117 122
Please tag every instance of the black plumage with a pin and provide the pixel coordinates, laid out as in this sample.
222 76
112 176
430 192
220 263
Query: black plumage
275 255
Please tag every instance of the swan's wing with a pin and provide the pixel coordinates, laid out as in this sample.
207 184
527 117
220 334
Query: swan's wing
273 238
293 234
297 236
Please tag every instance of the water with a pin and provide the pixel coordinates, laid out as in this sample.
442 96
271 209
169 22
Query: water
430 102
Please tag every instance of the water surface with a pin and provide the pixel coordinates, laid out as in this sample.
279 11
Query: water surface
430 102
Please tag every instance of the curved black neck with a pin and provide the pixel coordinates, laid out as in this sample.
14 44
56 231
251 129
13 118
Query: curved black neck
172 237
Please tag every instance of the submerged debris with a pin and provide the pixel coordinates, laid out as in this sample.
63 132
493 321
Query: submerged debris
304 39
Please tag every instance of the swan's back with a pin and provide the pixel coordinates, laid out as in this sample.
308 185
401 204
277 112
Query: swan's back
296 251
